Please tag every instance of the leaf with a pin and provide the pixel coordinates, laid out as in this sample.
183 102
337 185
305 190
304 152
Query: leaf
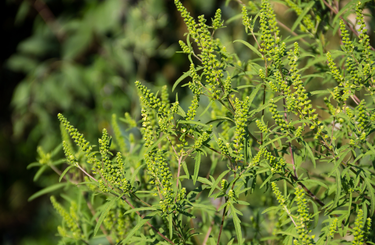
250 47
104 213
185 75
39 172
214 185
139 209
47 190
192 122
137 227
312 157
270 209
338 188
170 219
204 181
315 182
254 93
370 191
348 5
205 110
65 171
237 224
34 164
300 17
196 166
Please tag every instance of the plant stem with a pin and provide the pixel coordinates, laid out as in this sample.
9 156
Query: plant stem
222 223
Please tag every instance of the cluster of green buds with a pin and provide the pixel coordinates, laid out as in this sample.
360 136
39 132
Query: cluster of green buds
358 230
71 219
212 66
364 39
184 47
201 139
269 30
348 45
240 118
302 102
217 22
280 198
80 140
246 21
262 127
276 116
257 157
161 177
361 116
112 172
44 158
333 227
149 102
303 219
224 148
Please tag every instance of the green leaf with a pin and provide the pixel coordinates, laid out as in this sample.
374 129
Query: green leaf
65 171
170 219
137 227
370 191
47 190
237 224
205 110
196 166
338 188
214 185
300 17
250 47
350 4
185 75
34 164
312 157
254 93
204 181
39 172
192 122
140 209
104 213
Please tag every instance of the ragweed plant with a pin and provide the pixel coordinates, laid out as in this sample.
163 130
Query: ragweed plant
257 157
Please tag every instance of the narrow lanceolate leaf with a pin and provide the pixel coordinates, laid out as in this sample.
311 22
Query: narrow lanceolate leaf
237 224
371 191
300 17
250 47
47 190
39 172
104 213
196 167
217 181
140 223
65 171
311 154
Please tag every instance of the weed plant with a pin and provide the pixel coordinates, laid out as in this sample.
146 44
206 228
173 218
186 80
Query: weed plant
274 149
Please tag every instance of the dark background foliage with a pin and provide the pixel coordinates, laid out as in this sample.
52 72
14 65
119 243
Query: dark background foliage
33 89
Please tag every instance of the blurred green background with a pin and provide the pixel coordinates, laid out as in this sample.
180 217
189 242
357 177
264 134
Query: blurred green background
80 58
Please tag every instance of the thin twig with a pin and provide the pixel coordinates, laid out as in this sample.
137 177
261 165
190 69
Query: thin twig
222 224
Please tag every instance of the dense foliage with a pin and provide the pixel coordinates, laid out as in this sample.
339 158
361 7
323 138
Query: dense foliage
273 149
